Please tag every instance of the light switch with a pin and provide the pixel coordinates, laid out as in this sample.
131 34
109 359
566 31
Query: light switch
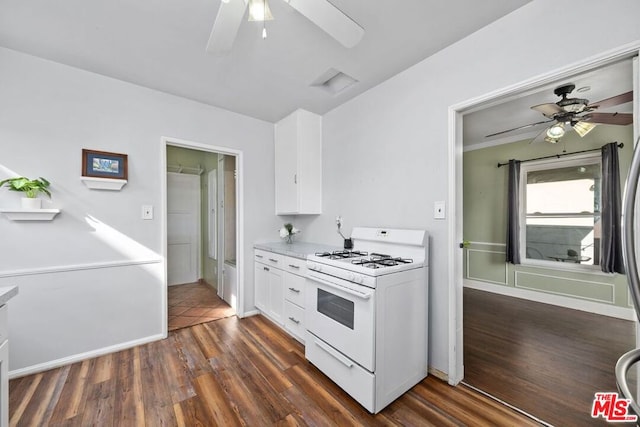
147 212
439 211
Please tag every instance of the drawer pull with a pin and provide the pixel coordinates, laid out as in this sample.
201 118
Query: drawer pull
297 291
294 266
259 256
294 320
273 260
266 268
335 354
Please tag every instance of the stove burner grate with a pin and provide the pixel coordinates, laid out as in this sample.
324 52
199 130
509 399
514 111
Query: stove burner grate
381 261
341 254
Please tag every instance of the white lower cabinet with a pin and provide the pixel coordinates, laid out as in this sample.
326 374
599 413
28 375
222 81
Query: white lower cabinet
279 291
269 291
261 284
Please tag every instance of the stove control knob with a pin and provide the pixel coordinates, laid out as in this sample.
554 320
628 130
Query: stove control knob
314 266
359 279
351 277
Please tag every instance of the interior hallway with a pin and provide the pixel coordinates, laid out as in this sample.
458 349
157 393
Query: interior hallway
546 360
194 303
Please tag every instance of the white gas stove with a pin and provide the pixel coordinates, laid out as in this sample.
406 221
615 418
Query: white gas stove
366 314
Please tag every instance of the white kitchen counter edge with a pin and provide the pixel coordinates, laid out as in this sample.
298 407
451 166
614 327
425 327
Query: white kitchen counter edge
6 293
296 249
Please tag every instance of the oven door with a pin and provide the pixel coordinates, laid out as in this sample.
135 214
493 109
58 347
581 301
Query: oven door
342 314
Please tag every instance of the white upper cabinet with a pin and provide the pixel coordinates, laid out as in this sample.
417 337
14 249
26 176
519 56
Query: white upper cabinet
298 164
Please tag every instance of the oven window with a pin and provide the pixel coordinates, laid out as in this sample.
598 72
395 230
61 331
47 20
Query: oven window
339 309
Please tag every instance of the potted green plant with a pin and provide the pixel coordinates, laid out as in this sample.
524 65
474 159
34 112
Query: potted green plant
30 187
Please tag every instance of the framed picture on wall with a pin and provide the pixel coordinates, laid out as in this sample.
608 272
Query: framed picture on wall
101 164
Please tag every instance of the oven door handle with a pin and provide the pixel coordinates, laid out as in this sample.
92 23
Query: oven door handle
340 288
333 353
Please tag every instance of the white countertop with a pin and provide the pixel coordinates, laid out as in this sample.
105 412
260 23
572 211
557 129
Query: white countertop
6 293
295 249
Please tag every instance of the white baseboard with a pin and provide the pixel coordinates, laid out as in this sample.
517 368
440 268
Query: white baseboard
558 300
16 373
249 313
442 376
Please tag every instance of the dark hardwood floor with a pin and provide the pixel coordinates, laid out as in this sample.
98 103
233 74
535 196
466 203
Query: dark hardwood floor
228 372
546 360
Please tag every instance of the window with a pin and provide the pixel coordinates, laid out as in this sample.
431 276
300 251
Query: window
560 210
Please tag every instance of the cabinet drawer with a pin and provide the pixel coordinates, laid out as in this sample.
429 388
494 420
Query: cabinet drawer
294 320
295 265
269 258
294 288
352 378
4 327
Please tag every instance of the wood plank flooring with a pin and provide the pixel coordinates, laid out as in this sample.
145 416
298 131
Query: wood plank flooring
194 303
228 372
543 359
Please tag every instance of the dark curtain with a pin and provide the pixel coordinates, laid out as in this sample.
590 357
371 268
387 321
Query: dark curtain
611 224
513 208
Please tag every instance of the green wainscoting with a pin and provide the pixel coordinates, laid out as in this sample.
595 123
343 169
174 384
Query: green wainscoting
485 217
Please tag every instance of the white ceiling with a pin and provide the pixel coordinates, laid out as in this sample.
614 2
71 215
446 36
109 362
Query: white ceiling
515 111
161 44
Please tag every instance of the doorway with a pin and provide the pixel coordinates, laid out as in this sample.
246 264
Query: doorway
201 232
491 251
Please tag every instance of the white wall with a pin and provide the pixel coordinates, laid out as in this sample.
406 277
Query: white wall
48 113
385 152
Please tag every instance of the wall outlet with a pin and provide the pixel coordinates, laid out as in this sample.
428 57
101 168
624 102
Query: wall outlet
439 210
147 212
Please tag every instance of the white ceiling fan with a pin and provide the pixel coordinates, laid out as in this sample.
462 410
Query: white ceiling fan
321 12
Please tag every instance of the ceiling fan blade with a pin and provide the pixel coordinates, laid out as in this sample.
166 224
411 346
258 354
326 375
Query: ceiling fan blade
519 127
330 19
549 110
623 98
225 27
608 118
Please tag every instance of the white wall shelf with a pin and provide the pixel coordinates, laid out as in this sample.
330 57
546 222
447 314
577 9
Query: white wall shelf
103 183
30 214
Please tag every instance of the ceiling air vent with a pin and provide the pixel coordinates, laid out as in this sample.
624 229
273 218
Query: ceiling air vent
334 81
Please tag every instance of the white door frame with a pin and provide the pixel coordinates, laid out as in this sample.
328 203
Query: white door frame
220 225
455 188
177 142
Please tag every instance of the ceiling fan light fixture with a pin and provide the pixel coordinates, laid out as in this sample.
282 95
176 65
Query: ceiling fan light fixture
259 11
550 140
573 105
583 128
556 131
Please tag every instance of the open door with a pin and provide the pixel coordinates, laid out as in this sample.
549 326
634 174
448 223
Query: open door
183 228
226 219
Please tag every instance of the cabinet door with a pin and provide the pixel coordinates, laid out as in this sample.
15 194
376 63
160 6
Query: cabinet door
286 165
276 296
4 384
261 285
